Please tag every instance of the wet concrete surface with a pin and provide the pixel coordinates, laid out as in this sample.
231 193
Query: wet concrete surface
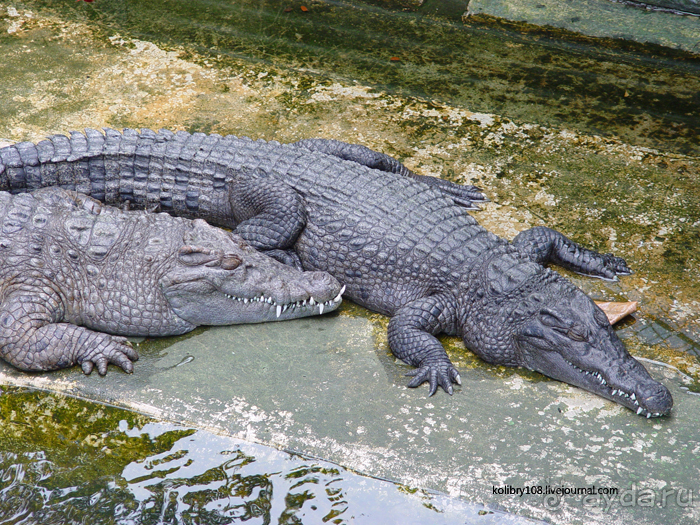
602 18
325 388
329 387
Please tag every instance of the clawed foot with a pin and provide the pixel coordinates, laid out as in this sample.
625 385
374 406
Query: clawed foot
464 195
468 196
288 257
609 267
437 373
112 349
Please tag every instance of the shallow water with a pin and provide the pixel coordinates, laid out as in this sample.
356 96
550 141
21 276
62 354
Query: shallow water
68 461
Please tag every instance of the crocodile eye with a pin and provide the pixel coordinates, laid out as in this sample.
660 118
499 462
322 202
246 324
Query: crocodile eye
576 333
230 261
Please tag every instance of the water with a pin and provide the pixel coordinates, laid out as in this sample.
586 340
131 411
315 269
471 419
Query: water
67 461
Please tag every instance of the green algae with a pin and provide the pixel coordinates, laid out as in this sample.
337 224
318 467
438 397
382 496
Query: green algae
646 95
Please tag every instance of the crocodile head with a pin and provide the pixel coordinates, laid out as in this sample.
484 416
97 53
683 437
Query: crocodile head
217 279
567 337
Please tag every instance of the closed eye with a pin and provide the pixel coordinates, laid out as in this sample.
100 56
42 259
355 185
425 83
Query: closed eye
576 334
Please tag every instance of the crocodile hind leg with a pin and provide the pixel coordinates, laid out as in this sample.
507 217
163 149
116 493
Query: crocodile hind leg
412 339
464 195
544 245
31 339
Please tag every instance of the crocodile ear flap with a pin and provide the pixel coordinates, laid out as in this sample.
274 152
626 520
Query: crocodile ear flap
199 256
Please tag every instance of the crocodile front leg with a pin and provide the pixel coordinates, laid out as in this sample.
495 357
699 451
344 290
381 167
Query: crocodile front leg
269 214
412 339
544 245
32 339
464 195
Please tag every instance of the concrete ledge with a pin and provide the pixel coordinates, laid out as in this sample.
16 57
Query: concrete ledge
688 6
596 18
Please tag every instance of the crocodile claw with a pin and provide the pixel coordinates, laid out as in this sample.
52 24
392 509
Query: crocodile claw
288 257
467 196
111 349
442 374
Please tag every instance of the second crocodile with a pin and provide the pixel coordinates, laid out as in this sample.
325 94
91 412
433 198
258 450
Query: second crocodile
72 269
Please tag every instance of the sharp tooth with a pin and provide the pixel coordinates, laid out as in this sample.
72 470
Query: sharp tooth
284 308
639 410
312 301
320 309
304 303
648 415
633 396
279 310
603 381
614 392
245 300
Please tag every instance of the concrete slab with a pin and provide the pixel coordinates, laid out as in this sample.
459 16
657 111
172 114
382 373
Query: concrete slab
598 18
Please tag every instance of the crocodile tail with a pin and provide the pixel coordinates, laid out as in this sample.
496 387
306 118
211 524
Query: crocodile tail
82 162
145 168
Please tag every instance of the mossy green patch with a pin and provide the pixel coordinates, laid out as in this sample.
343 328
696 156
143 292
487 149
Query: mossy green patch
646 95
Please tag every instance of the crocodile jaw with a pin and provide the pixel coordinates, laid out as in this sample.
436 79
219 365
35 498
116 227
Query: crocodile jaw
624 381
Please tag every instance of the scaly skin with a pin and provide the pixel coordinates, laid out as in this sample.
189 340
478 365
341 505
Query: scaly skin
72 269
403 245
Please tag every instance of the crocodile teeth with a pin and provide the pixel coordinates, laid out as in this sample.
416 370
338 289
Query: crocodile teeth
279 310
648 415
338 297
614 392
320 309
312 301
640 410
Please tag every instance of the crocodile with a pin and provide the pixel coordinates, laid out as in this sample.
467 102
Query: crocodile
77 276
403 244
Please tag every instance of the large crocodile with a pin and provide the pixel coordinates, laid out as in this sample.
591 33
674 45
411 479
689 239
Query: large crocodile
403 245
71 269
